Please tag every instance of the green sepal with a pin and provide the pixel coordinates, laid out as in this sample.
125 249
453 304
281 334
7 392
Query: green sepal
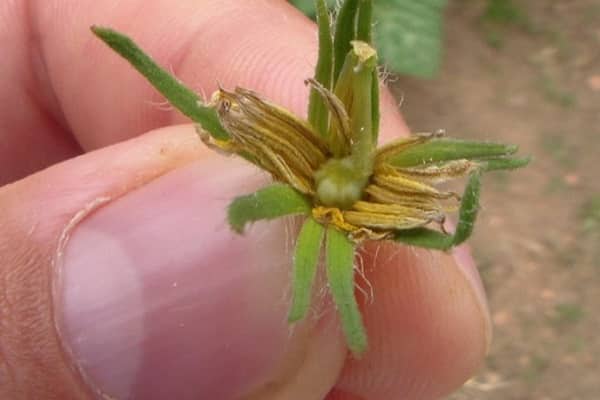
340 274
270 202
306 259
182 98
361 111
503 163
469 207
375 112
345 32
444 149
364 32
364 25
428 238
424 237
318 114
355 88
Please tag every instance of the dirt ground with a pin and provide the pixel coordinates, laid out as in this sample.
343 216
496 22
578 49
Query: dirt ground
529 74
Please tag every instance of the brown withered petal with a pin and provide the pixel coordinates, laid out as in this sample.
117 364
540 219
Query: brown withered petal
398 183
285 124
433 174
271 137
383 222
399 210
288 148
397 146
385 196
340 132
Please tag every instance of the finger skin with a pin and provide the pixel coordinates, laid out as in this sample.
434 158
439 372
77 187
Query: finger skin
32 131
36 211
337 394
425 326
42 360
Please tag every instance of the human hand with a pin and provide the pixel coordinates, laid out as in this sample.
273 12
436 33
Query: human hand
118 272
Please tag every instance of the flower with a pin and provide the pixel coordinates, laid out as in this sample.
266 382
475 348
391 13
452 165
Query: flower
328 167
382 200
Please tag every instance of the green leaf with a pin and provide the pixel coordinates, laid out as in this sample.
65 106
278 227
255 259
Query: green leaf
409 35
428 238
270 202
306 259
438 150
340 274
345 32
318 114
177 94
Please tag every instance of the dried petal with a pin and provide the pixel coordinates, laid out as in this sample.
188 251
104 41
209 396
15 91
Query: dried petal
274 139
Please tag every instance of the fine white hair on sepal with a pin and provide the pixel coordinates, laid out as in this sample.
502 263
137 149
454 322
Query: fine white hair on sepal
385 75
359 268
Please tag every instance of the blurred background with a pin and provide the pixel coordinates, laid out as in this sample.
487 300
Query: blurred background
529 75
525 72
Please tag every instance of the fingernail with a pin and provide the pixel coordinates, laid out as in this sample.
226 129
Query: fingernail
464 259
157 299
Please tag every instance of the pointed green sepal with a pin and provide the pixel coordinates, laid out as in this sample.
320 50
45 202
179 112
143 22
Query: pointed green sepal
182 98
306 259
375 112
428 238
318 114
361 111
498 164
345 32
340 274
424 237
364 25
357 88
268 203
469 206
444 149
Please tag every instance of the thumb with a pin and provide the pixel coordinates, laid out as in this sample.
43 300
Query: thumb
123 279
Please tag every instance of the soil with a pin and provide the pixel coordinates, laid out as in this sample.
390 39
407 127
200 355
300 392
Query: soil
532 78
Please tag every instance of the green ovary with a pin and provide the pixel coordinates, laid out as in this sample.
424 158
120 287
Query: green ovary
340 183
